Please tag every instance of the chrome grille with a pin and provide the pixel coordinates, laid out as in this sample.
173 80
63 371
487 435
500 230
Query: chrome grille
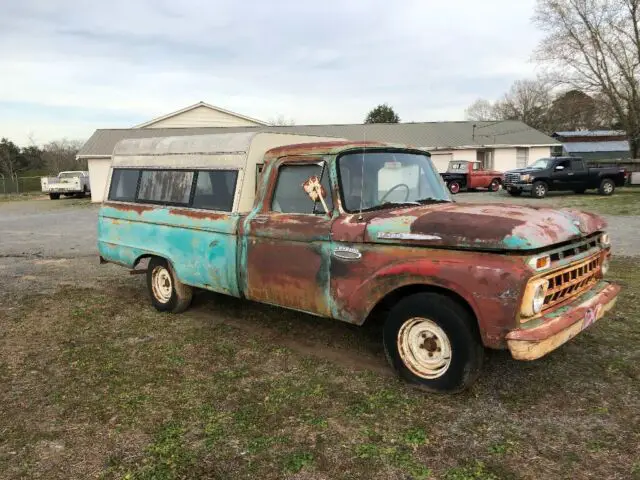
571 281
511 177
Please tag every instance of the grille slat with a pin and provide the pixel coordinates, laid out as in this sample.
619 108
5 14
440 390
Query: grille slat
571 281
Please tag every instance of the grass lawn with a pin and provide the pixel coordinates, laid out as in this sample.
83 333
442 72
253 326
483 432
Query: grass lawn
625 201
95 383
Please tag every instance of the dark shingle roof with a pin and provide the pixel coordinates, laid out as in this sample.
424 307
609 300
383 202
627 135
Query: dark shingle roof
432 135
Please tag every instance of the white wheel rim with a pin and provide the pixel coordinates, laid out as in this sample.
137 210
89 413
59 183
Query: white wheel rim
161 284
455 187
607 188
540 190
424 348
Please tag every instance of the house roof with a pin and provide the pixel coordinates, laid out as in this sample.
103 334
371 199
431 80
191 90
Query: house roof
428 135
193 107
590 133
585 147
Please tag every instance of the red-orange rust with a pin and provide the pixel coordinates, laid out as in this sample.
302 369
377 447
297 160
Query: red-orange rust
129 207
198 214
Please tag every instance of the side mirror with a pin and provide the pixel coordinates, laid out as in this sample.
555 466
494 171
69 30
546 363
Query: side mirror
316 191
559 168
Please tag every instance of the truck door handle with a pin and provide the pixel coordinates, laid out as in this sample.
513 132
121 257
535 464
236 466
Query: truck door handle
347 253
570 173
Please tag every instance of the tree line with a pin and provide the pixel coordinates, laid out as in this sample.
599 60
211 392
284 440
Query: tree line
50 158
590 60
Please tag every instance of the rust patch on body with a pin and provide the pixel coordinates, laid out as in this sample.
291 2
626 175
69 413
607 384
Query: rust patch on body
129 207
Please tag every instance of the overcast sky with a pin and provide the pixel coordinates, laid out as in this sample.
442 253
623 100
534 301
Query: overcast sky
68 67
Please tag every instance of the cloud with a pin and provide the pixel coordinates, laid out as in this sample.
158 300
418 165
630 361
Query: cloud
121 63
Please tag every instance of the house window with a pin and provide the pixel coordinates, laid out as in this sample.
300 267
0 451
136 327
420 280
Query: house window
166 186
124 183
522 157
215 190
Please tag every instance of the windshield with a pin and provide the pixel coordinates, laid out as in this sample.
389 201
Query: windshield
372 179
69 175
540 164
457 167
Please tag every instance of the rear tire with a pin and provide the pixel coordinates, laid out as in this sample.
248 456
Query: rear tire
607 187
432 341
167 293
54 196
539 190
454 187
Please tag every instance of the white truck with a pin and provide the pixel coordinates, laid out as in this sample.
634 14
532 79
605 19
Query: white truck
67 184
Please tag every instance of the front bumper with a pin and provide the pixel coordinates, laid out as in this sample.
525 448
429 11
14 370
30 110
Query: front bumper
559 326
523 187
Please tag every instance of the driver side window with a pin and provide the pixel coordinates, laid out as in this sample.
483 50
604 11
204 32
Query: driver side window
564 163
290 197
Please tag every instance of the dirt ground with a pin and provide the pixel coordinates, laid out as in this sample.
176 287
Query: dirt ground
95 384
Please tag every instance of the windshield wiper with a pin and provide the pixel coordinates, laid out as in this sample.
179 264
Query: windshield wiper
426 200
384 205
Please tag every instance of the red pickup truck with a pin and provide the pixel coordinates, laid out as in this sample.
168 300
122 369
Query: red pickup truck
468 175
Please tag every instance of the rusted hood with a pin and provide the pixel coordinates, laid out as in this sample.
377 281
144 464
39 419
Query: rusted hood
480 227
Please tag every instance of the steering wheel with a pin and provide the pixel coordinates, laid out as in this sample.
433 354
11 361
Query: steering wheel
384 197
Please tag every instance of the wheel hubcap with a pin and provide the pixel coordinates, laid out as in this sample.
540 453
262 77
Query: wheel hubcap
455 187
607 188
540 190
424 348
161 284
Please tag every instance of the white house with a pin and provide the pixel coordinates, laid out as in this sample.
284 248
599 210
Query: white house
499 145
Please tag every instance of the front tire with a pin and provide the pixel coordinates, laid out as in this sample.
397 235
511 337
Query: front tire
607 187
539 190
454 187
495 185
432 341
167 293
515 193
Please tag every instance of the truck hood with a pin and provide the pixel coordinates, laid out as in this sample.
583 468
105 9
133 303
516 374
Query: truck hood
525 170
480 227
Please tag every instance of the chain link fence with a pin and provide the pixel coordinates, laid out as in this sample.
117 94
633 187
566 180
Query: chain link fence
19 185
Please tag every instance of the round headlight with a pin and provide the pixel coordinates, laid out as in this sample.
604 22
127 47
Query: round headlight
604 268
538 298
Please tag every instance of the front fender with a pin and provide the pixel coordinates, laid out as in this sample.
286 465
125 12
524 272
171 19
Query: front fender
492 286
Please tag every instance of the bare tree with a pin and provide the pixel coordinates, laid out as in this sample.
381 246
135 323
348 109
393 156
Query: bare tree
60 155
594 45
481 110
282 121
528 101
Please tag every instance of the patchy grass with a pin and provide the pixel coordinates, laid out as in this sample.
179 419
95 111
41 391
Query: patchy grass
625 201
95 383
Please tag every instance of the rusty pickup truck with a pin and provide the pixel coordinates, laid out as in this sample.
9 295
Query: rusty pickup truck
355 231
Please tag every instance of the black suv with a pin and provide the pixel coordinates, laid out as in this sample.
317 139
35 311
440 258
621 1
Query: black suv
562 173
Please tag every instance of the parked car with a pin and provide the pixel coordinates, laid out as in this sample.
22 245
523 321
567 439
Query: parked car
355 231
67 184
563 173
468 175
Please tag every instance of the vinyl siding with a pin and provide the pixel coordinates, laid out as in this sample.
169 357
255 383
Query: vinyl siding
202 117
